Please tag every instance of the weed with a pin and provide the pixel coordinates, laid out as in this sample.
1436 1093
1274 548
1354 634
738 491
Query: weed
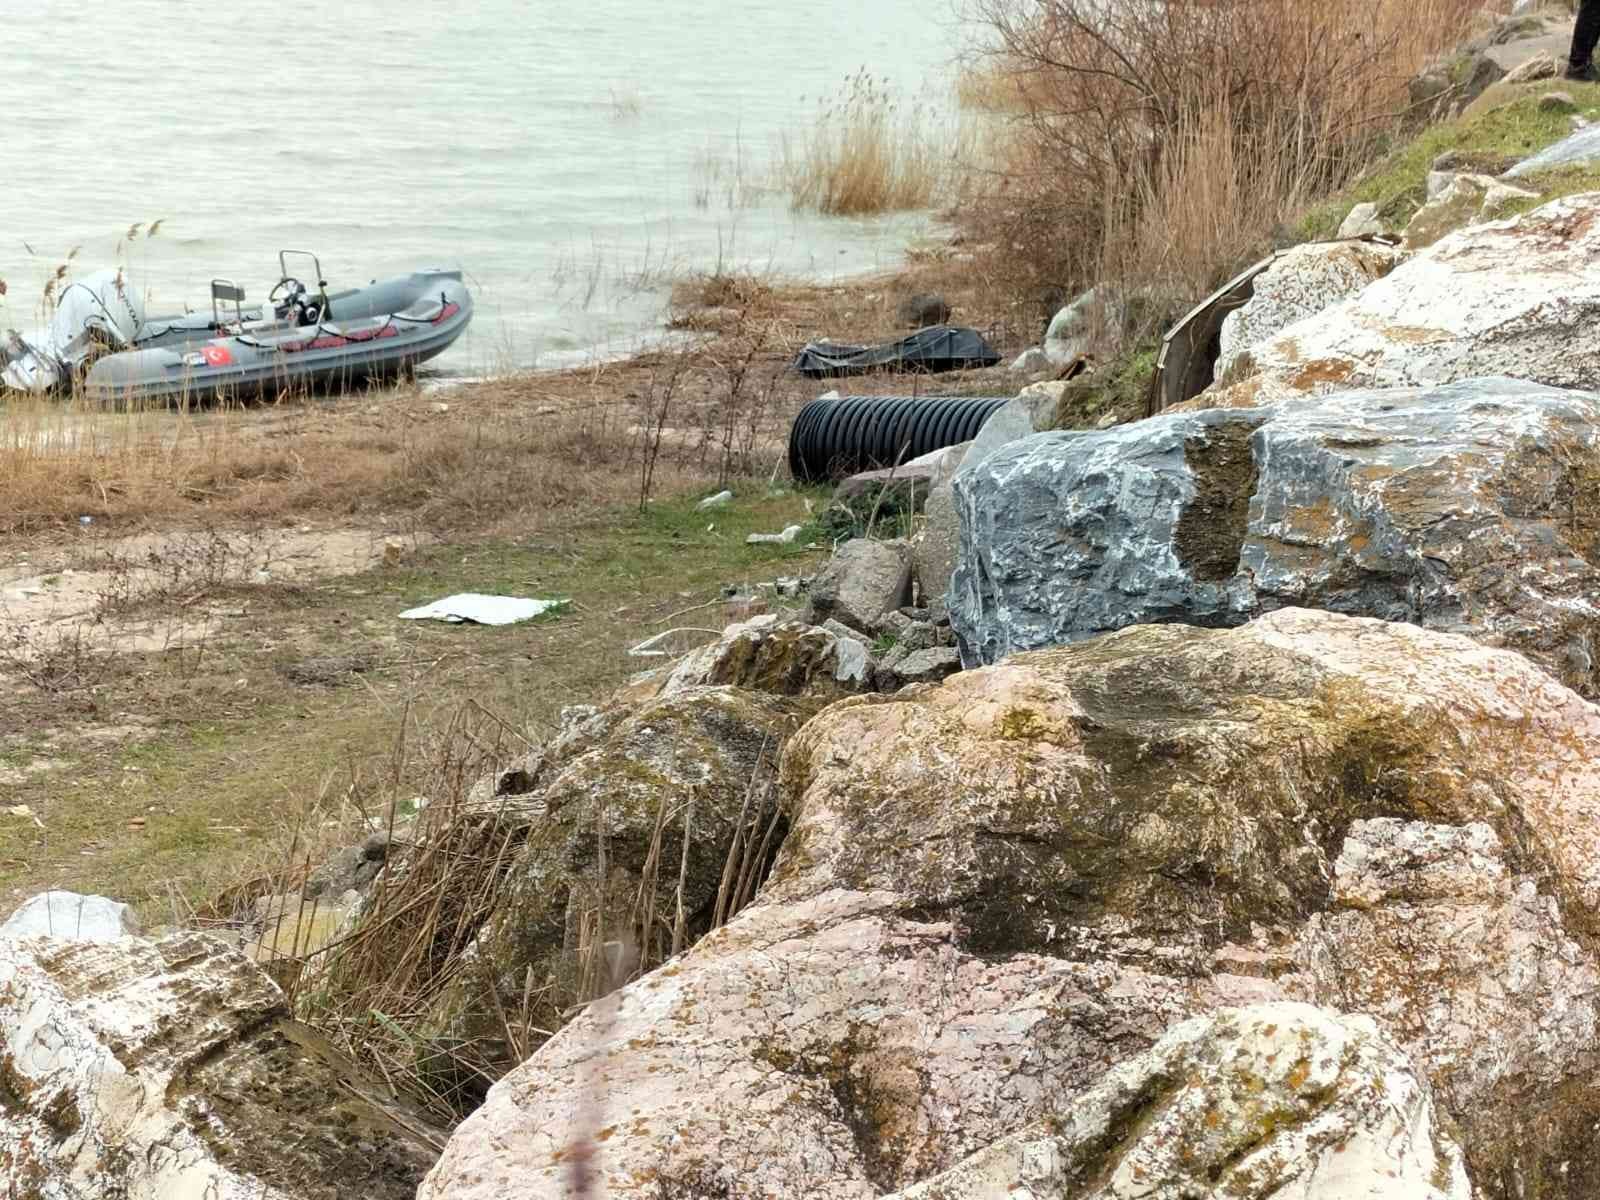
868 152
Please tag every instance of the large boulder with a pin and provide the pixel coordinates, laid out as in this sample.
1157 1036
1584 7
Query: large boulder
1517 297
997 889
171 1068
1262 1103
1435 931
1470 507
1300 283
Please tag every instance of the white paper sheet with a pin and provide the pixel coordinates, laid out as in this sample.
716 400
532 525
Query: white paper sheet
482 610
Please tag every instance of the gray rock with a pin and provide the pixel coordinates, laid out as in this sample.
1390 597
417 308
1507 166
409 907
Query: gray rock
932 665
1463 508
922 309
1091 317
350 868
713 749
772 655
1032 361
1455 83
864 580
1032 409
887 674
840 630
1580 147
1459 199
1558 102
71 917
934 549
1361 221
907 631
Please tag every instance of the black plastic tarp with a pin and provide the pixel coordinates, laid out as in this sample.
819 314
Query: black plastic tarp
939 348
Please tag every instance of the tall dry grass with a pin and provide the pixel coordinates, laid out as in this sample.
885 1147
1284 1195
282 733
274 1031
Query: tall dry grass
1157 146
870 151
520 449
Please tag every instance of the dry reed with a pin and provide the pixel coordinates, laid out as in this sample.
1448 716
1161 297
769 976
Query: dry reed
1156 146
381 988
869 152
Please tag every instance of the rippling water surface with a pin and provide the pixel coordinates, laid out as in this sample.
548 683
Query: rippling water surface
568 156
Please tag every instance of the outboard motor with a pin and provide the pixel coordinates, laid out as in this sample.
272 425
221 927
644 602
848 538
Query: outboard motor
96 313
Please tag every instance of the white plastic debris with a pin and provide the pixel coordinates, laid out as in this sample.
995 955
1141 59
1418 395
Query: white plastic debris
785 538
716 501
482 610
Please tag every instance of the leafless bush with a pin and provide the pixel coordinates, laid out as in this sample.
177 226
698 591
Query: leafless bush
1134 131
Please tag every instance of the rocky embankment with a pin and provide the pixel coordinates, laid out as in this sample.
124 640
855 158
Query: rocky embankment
1255 854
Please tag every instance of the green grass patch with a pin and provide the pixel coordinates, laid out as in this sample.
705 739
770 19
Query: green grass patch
1122 388
233 754
1489 142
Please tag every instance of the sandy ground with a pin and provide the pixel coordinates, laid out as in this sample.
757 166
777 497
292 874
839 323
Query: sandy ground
152 592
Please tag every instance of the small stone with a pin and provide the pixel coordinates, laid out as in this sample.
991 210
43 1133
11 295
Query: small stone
929 666
785 538
1362 221
863 580
907 631
1557 102
1031 361
720 500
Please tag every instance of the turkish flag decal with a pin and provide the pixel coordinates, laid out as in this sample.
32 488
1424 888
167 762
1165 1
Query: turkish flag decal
216 356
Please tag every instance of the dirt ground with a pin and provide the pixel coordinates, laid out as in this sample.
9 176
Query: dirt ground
205 672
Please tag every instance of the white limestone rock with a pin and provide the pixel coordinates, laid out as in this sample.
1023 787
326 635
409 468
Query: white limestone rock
72 917
1301 283
1273 1102
168 1070
1518 297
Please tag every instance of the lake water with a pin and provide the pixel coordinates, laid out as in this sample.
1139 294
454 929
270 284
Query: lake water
570 157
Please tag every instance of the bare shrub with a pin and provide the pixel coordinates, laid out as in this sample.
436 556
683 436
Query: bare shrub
1150 143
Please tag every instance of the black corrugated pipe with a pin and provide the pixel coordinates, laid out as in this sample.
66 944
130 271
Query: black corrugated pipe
834 438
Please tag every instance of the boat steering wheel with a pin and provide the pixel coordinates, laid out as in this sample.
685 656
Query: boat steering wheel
290 288
290 296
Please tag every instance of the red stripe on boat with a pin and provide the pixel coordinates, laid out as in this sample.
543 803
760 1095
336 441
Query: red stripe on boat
445 313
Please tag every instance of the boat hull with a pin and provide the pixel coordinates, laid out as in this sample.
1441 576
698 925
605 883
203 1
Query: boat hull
371 334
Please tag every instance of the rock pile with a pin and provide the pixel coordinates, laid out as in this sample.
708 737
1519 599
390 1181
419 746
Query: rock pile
997 894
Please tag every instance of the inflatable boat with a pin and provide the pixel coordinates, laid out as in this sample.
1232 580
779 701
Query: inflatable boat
301 338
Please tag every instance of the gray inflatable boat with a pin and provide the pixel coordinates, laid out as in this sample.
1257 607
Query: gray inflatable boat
302 338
